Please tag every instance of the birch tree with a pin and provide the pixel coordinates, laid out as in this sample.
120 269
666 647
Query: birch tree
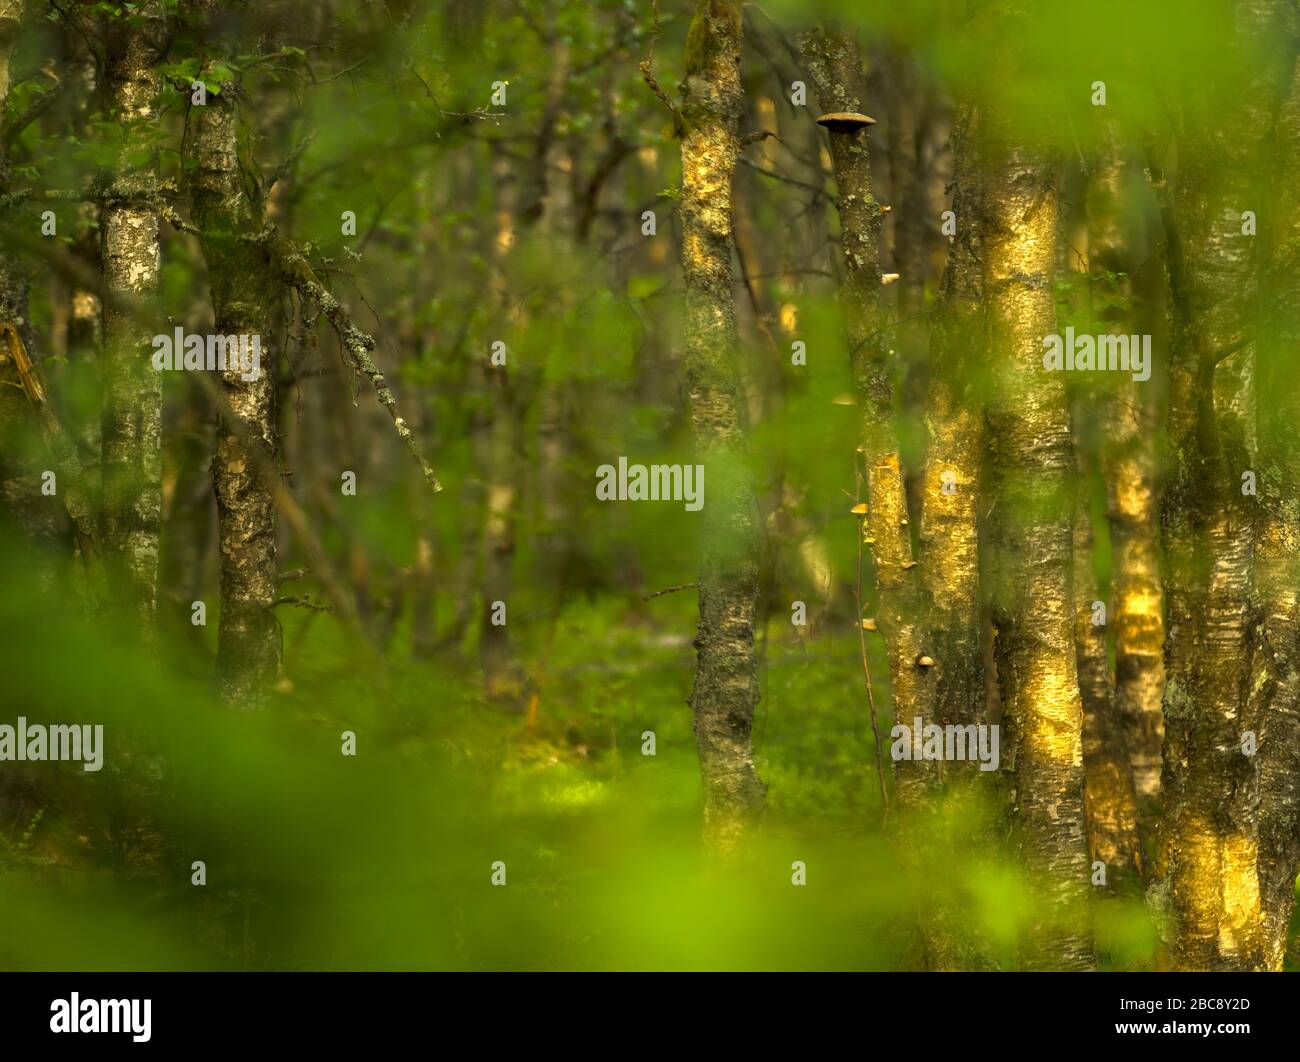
954 422
726 690
1031 536
1207 875
1116 708
835 66
243 295
1275 672
130 250
1128 462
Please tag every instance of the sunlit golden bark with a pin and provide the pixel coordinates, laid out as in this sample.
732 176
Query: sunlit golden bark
1031 535
1109 800
1207 880
1122 452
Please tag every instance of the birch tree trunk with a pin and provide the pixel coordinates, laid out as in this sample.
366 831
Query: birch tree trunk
1031 536
1208 881
1110 802
248 650
726 689
1110 793
497 439
131 255
1128 462
1275 672
950 569
834 63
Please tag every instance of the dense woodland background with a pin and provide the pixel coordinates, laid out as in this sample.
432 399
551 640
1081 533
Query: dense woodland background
492 245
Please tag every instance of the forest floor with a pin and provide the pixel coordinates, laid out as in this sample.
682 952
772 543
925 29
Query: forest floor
464 836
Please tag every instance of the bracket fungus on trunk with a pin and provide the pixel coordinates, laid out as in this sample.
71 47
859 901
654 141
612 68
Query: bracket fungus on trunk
845 121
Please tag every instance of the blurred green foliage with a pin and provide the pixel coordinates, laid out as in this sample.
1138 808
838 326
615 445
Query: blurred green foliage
384 860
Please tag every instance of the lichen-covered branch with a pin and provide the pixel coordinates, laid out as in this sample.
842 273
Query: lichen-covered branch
291 264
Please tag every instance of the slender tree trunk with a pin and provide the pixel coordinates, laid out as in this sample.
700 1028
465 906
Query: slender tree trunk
949 541
1032 542
1128 461
726 688
913 221
1275 674
1109 799
131 253
187 523
496 442
950 570
1209 847
248 652
500 516
835 65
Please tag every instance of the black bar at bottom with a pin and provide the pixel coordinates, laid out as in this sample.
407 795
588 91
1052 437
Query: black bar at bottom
341 1010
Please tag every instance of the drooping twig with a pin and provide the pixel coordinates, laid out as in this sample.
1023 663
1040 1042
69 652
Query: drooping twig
647 71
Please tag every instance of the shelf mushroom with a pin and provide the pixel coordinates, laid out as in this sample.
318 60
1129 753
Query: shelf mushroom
845 121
